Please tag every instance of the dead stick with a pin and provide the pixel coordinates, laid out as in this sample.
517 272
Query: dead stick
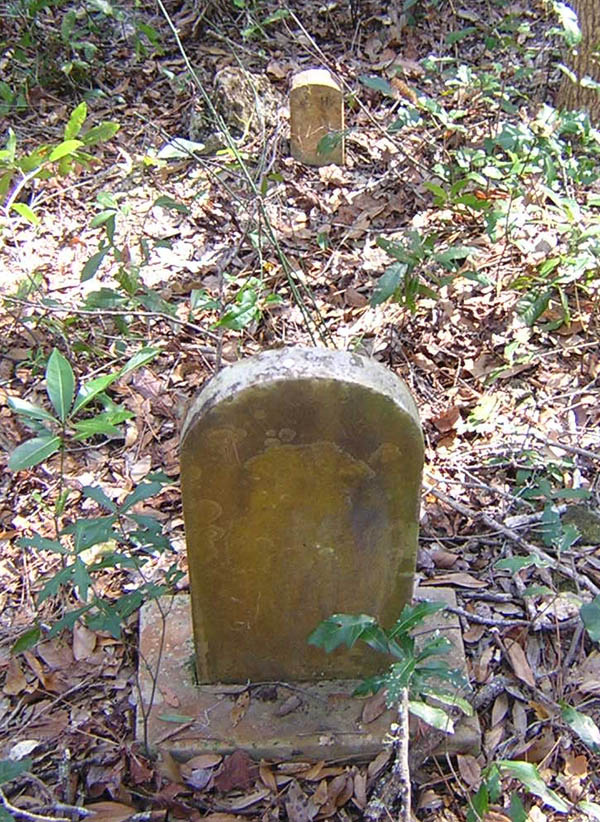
580 579
393 792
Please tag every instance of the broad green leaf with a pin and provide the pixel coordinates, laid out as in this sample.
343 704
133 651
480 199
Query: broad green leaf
52 586
590 615
100 134
369 686
10 769
82 581
169 203
515 564
389 282
572 493
76 120
93 264
26 212
592 809
532 306
340 629
97 494
378 84
143 356
517 812
42 544
142 492
27 641
109 621
100 426
33 452
398 679
91 531
449 699
60 384
176 718
28 409
64 149
529 776
456 36
438 645
435 717
413 615
67 621
479 805
583 725
88 391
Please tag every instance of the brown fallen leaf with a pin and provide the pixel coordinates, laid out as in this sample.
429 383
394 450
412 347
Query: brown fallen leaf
84 641
112 812
373 707
267 777
288 705
378 764
237 771
297 805
518 661
576 770
470 770
360 790
445 422
15 681
250 799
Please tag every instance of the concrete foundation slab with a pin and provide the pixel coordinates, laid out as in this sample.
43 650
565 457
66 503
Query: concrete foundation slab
271 720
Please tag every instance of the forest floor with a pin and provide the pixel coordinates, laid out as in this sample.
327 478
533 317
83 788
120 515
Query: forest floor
487 307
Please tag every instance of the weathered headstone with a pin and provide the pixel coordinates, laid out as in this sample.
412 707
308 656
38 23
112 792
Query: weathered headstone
301 474
316 111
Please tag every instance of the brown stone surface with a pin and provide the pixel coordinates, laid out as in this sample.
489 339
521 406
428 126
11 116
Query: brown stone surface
316 110
301 473
187 719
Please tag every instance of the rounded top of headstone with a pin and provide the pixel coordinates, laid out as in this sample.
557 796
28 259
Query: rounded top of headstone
298 363
314 77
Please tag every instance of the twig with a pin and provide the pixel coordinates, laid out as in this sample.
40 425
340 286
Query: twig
34 817
580 579
392 793
570 449
481 620
106 312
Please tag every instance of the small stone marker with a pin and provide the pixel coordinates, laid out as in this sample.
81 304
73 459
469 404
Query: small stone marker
301 476
316 110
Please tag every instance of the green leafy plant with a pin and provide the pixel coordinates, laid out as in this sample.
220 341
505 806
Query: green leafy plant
414 274
415 664
528 775
48 160
132 293
248 306
71 420
52 42
10 770
120 538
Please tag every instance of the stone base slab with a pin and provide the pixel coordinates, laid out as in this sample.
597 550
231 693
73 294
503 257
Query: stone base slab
296 720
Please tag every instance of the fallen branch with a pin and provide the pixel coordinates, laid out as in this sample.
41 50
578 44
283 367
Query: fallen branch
581 579
391 795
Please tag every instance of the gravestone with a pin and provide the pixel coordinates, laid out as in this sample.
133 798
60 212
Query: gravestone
301 474
316 110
